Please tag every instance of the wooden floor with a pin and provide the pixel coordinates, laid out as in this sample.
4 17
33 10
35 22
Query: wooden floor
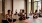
0 17
38 20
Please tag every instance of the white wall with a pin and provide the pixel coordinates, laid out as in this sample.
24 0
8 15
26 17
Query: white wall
8 5
18 4
0 0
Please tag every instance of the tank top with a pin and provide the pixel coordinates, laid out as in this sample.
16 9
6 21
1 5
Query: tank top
9 16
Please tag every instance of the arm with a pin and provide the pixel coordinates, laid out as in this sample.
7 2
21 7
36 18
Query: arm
6 16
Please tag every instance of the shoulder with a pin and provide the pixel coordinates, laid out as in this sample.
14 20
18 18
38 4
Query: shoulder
6 14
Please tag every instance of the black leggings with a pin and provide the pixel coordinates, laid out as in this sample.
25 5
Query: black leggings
4 21
14 20
20 18
10 20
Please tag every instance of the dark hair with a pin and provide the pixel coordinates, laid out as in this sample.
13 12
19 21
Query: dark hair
8 11
35 11
23 11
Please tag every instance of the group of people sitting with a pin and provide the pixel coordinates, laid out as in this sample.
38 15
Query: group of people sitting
8 17
21 14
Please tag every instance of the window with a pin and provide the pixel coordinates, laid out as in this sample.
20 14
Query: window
37 5
28 6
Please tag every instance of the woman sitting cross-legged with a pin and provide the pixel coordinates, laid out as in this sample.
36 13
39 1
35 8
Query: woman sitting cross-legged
9 17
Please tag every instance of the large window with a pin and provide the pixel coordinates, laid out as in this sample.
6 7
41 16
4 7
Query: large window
28 6
37 5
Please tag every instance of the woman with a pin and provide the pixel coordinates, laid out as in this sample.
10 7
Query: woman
9 17
35 15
